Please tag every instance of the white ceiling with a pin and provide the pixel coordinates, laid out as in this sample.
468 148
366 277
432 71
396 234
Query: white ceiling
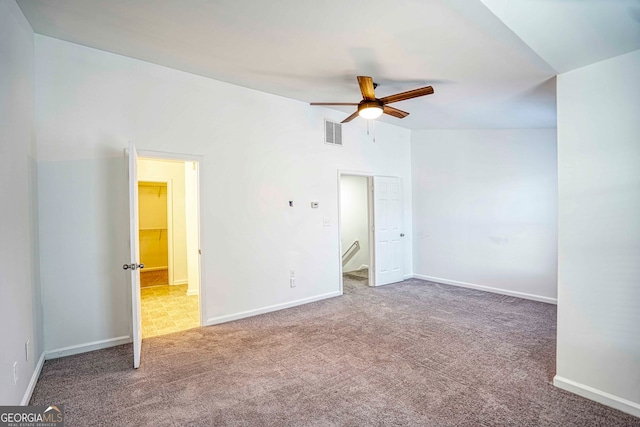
311 50
570 34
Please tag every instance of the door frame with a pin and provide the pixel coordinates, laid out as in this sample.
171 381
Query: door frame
370 201
181 157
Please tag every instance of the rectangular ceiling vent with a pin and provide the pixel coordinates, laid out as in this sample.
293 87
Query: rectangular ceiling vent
332 133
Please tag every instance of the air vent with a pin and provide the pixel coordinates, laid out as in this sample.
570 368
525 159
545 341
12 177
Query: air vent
332 133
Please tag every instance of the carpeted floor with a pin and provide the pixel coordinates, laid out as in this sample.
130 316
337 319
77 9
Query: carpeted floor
352 282
410 354
359 276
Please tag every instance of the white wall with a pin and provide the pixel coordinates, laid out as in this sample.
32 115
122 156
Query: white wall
485 206
82 251
20 308
173 172
259 151
354 220
599 236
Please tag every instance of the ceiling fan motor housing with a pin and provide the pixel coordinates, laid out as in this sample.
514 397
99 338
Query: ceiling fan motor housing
370 109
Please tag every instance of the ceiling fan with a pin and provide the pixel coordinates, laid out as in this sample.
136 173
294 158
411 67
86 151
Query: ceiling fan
371 107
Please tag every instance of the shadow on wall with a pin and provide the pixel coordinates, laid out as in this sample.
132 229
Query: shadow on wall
84 243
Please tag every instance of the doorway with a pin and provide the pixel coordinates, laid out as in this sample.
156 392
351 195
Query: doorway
371 230
355 232
168 234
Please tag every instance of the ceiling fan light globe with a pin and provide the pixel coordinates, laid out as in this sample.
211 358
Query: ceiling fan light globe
370 112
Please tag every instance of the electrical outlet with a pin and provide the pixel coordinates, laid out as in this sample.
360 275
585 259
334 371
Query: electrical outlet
292 282
15 373
26 350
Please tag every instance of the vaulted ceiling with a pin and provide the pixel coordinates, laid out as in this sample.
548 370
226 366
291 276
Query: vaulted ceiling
484 75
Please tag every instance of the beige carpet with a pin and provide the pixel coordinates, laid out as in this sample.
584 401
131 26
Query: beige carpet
409 354
359 276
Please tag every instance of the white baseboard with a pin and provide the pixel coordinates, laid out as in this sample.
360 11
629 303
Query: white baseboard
408 276
596 395
83 348
180 282
33 381
488 289
268 309
363 266
192 292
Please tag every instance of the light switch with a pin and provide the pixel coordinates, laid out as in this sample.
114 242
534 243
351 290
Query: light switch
315 205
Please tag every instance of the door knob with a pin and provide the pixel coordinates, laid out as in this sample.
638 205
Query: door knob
140 265
401 234
132 266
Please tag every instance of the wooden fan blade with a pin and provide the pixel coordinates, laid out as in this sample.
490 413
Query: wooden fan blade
366 87
407 95
351 117
394 112
333 103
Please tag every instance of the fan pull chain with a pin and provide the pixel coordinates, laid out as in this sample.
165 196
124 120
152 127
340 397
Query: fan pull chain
373 130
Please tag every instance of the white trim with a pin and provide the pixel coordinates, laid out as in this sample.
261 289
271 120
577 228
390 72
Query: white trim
149 154
596 395
84 348
170 253
192 292
408 276
487 289
180 282
269 309
32 383
363 266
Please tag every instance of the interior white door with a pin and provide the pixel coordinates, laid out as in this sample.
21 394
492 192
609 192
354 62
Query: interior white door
134 266
387 230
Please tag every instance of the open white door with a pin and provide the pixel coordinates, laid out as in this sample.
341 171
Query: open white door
387 230
135 266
